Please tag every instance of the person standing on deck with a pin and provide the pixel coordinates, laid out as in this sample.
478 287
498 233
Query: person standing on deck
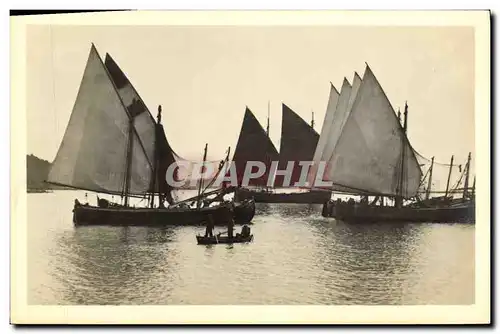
230 227
209 231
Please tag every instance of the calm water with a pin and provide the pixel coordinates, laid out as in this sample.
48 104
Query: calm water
297 257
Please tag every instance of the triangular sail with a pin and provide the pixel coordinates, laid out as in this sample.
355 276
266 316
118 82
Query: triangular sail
342 119
148 130
369 151
145 126
253 145
325 130
93 152
334 132
298 143
143 120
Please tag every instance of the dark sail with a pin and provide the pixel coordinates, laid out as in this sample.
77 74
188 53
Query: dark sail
144 121
253 145
165 158
298 143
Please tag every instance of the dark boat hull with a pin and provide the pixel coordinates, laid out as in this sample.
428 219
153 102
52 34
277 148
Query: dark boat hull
86 215
461 213
244 211
311 197
222 240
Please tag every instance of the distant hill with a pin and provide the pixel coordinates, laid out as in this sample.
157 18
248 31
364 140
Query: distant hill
37 171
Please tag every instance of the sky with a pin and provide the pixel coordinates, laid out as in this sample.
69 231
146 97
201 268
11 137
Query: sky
204 76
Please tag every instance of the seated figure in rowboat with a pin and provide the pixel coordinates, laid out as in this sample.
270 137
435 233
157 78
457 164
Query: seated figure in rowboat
245 232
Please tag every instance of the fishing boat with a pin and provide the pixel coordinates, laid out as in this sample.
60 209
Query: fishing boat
298 142
113 145
371 156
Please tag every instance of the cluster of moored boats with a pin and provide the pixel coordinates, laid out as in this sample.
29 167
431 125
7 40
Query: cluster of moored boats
114 145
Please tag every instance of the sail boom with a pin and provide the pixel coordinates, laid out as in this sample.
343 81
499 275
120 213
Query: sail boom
117 193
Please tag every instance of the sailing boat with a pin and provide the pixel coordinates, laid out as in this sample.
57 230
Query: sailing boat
372 156
113 145
298 142
253 145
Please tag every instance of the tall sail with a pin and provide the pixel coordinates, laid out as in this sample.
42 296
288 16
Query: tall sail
342 119
94 150
325 130
148 130
334 133
145 126
298 143
253 145
369 152
143 120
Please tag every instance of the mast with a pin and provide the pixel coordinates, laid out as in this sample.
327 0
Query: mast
466 182
312 119
267 133
268 113
405 125
399 198
429 184
129 159
474 187
449 175
155 162
201 178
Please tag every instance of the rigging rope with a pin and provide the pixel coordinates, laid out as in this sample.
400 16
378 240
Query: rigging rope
455 187
435 162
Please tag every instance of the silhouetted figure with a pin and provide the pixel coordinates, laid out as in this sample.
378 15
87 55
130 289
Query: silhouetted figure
230 228
245 231
209 231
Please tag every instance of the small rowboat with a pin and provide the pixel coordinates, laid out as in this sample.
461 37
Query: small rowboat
218 239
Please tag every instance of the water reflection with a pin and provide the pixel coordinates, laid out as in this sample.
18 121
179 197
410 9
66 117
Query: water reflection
297 257
370 262
105 265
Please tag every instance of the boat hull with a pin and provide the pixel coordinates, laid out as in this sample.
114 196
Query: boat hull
222 240
86 215
462 213
311 197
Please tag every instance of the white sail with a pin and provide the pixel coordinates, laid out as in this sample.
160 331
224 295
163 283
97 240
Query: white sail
325 130
334 132
342 120
368 154
93 152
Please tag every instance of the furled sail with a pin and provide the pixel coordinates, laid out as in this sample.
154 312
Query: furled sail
325 130
94 150
298 143
253 145
369 151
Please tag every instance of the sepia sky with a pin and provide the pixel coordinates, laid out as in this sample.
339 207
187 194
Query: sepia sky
204 76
